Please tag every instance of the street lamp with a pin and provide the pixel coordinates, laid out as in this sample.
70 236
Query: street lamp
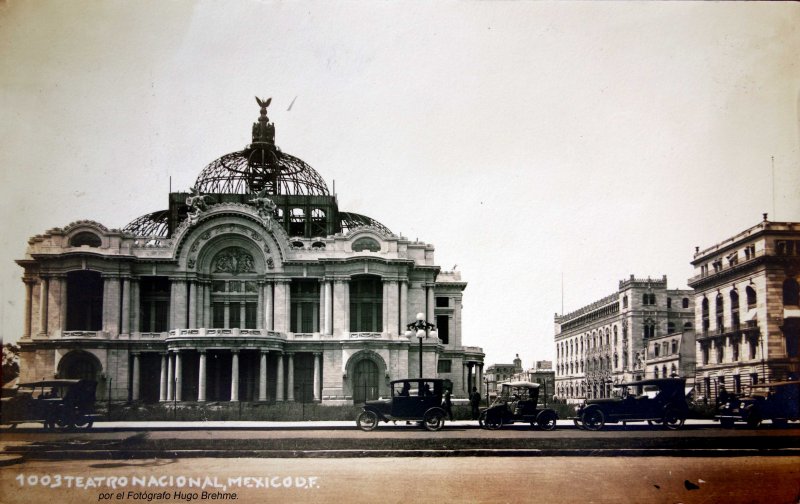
422 329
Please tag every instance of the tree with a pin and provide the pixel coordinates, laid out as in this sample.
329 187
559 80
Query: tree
10 362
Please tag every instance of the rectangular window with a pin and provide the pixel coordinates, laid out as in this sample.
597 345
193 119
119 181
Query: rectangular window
234 319
444 366
219 315
442 302
737 384
250 312
443 327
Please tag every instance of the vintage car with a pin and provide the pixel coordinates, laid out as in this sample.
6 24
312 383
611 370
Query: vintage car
417 400
54 403
518 402
657 401
776 401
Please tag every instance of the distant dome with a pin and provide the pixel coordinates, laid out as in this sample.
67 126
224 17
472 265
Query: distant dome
350 221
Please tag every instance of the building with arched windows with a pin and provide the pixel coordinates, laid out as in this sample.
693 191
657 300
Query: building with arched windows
253 286
606 342
747 301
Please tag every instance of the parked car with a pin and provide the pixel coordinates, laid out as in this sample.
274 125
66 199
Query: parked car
657 401
518 402
417 400
776 401
54 403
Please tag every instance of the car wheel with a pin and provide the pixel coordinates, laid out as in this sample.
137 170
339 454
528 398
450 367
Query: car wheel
433 420
654 422
578 423
753 420
779 422
673 419
493 422
726 423
367 420
84 422
594 419
547 421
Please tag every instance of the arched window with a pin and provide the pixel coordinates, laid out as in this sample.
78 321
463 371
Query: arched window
365 243
669 302
734 310
791 292
751 297
297 222
319 223
720 310
670 327
685 303
625 301
687 326
85 238
704 315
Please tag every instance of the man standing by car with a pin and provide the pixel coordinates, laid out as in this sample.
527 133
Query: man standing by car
475 402
447 405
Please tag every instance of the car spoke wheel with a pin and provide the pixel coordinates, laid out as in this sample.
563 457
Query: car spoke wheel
493 422
367 420
434 420
673 419
754 420
594 419
546 421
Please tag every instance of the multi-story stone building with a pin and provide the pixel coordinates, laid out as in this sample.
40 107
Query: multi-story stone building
252 287
605 342
747 303
672 355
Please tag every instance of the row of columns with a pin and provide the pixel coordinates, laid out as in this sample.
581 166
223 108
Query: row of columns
477 379
171 379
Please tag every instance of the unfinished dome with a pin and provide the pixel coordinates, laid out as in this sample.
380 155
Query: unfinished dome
261 166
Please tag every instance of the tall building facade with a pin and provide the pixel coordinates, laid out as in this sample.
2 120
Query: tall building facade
254 286
747 304
605 342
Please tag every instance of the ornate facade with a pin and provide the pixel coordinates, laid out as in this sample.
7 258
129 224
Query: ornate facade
747 302
253 286
606 342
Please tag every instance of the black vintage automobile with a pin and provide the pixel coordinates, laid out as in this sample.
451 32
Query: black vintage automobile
418 400
55 403
518 402
776 401
657 401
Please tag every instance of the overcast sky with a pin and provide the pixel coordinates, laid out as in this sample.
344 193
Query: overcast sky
529 142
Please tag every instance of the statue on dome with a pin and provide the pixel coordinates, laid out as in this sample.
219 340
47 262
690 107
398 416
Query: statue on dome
265 207
197 203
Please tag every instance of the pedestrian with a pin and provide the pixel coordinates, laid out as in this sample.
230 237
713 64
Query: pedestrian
475 402
447 405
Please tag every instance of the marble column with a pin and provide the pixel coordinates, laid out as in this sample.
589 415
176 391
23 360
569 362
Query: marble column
135 306
44 284
136 379
192 304
170 377
178 377
26 329
162 389
431 311
403 306
262 376
62 280
385 307
111 305
269 312
317 376
201 380
126 306
279 384
260 307
323 322
206 304
290 377
234 375
328 307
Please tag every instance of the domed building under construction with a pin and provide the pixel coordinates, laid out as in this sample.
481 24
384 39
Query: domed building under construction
253 286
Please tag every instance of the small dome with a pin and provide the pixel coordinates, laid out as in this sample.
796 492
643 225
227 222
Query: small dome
350 221
154 224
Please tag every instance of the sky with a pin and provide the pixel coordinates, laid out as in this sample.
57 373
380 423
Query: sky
547 150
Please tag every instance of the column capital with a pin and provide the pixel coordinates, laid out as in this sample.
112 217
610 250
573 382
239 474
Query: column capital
136 353
234 350
317 354
264 351
201 350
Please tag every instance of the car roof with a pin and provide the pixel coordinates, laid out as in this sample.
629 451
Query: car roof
50 383
419 379
653 381
775 384
525 384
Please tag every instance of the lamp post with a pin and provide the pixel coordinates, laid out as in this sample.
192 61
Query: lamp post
422 329
486 382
